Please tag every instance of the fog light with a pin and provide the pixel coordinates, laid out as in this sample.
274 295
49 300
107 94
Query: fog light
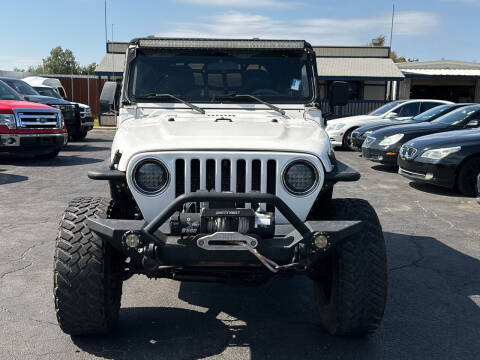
320 241
429 176
132 240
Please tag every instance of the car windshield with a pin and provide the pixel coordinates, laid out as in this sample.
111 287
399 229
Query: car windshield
21 87
387 107
432 113
207 77
6 93
46 91
457 116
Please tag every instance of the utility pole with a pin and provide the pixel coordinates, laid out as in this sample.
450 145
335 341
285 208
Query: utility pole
391 28
106 35
113 78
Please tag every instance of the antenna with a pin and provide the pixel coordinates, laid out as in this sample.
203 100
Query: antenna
391 28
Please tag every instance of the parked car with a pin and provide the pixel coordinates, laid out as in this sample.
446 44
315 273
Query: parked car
340 130
54 88
359 135
29 128
449 159
383 145
69 111
194 196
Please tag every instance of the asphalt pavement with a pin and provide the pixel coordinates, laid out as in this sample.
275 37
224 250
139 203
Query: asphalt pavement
433 309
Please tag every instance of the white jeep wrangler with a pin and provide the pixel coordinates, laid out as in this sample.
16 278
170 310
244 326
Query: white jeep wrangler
221 170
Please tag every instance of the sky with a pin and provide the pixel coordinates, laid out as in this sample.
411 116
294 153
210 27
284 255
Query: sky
423 29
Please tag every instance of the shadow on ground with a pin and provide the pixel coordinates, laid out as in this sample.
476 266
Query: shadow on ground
11 178
430 314
386 168
432 189
83 147
60 160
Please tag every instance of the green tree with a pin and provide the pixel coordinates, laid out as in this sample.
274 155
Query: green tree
380 41
88 69
61 62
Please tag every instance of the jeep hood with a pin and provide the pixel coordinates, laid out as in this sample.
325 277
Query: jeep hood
205 133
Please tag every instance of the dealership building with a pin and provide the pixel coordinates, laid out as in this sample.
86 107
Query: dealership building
372 76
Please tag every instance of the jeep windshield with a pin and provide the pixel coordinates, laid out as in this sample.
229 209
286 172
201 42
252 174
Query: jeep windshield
218 77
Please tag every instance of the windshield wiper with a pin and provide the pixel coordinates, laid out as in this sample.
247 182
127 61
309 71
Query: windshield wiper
159 96
233 96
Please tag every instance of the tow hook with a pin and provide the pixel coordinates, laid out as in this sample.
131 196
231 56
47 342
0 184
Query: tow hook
149 260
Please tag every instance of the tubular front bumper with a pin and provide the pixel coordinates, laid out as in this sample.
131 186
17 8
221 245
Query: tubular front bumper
294 247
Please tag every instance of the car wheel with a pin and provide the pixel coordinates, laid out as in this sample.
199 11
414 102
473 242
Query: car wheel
87 271
350 285
347 142
467 177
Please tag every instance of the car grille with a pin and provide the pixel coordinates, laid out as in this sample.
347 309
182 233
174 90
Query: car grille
68 111
232 175
37 119
407 152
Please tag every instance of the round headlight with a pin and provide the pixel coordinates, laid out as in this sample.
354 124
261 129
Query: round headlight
300 177
150 176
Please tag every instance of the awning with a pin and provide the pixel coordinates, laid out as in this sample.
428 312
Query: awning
381 69
442 72
111 63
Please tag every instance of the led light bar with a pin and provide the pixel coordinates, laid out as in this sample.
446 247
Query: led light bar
219 43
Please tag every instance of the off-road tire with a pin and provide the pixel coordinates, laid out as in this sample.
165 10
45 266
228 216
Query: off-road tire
87 281
467 177
346 142
350 285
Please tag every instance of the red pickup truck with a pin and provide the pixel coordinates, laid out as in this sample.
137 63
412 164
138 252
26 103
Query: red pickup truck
29 128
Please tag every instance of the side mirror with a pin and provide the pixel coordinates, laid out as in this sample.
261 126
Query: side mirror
107 97
391 115
473 123
338 93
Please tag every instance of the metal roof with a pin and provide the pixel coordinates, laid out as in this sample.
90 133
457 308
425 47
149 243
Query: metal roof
358 68
439 64
111 63
442 72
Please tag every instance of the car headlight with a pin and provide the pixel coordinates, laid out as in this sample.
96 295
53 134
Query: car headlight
390 140
150 176
437 154
335 127
62 120
300 177
9 120
368 132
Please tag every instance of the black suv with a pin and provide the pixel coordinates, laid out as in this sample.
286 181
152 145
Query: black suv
70 112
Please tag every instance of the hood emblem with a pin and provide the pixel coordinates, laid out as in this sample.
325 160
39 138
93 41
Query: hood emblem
408 152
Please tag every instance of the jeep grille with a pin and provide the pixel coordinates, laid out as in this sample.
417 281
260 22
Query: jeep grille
234 175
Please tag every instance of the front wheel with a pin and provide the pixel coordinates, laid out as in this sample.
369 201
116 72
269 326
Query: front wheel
350 285
87 271
79 135
347 142
467 177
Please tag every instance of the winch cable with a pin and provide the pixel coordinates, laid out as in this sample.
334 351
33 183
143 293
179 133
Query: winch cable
269 264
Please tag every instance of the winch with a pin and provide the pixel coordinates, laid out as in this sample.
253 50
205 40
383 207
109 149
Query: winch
209 221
